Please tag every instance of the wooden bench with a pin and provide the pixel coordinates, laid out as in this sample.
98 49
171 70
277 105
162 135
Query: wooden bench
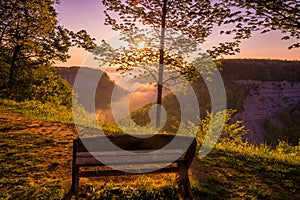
98 156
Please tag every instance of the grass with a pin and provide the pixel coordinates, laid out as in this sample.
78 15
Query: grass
36 110
35 163
48 111
249 172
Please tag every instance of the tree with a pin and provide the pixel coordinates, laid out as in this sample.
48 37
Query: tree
266 16
194 20
30 37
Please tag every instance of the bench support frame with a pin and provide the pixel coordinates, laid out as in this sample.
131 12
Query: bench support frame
179 166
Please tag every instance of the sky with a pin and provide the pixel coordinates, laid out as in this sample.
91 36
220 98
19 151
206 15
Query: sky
88 14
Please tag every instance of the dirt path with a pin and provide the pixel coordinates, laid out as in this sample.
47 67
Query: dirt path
37 151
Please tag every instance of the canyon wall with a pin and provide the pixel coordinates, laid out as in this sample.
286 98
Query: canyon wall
264 101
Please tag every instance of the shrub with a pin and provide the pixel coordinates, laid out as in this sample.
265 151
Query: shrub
37 83
209 126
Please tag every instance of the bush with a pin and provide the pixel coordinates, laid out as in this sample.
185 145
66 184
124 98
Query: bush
210 125
36 83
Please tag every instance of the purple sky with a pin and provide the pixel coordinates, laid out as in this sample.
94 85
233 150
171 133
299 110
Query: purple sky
88 14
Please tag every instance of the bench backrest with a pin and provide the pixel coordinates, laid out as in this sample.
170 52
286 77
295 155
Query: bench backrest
128 142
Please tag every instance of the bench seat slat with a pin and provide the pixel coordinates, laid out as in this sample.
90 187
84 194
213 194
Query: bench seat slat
125 160
127 153
123 157
132 172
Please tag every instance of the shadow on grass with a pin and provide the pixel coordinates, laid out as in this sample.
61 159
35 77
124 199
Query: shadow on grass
68 195
233 175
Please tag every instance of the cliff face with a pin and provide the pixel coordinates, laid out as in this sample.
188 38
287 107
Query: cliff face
264 101
265 93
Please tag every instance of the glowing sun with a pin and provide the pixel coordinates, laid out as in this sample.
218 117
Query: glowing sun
141 45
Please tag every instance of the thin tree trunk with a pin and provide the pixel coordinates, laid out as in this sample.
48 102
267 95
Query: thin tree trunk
161 64
12 70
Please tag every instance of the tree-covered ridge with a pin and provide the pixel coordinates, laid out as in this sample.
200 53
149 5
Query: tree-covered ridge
260 69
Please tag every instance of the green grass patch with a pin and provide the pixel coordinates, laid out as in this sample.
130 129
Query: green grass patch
38 110
246 171
56 113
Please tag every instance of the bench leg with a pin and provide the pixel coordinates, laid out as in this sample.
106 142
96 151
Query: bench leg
184 180
75 181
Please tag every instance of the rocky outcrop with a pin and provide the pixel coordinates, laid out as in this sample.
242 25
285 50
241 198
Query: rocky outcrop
264 101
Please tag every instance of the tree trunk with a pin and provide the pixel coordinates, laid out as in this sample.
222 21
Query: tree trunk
12 70
161 64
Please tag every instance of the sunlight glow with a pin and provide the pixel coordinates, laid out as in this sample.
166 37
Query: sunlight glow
141 45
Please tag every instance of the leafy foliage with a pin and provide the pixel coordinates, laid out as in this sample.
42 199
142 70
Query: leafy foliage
143 63
38 83
184 24
265 16
231 132
30 37
194 19
287 131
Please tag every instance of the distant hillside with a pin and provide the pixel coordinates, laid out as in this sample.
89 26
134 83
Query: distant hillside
104 90
261 90
261 70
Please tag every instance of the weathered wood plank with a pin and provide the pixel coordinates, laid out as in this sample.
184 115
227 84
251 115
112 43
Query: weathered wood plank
132 152
128 142
125 160
129 172
139 156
